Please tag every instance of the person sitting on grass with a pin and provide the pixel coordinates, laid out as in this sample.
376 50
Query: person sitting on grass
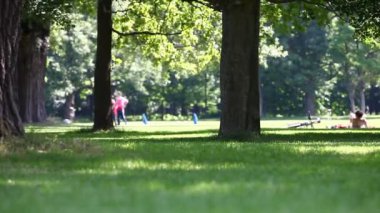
358 121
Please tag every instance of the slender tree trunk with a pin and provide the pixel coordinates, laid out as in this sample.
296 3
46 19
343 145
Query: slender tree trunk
10 15
240 69
362 96
310 101
350 86
373 99
31 71
262 111
206 93
362 101
351 98
102 87
162 111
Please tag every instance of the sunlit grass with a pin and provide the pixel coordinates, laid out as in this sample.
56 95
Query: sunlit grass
343 149
153 126
182 167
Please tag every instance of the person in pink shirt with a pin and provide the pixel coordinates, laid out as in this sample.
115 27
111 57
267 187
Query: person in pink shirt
118 109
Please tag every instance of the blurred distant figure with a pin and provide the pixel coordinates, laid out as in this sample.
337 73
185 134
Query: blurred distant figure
357 120
119 109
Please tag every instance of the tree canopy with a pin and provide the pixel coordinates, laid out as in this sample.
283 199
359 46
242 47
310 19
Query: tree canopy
157 48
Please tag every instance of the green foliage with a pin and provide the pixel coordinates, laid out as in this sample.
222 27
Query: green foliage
354 63
150 91
287 81
184 46
49 12
294 17
71 60
349 64
185 40
363 15
167 59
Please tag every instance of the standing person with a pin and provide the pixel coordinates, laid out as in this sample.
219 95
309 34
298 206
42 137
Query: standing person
119 106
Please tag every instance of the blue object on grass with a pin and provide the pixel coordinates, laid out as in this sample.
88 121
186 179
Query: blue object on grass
195 118
144 119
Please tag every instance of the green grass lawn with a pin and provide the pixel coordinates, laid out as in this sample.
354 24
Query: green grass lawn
182 167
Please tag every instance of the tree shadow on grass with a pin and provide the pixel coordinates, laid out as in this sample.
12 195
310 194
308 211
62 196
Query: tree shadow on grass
189 146
139 164
201 136
186 165
118 133
131 136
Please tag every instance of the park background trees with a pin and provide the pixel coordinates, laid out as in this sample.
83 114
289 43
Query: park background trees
178 40
70 67
37 19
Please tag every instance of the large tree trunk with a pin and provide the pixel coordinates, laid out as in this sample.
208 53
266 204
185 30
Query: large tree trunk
239 71
102 87
10 121
31 71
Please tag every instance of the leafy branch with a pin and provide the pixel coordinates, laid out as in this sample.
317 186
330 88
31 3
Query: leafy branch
135 33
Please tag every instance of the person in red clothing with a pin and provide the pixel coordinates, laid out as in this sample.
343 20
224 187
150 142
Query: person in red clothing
119 109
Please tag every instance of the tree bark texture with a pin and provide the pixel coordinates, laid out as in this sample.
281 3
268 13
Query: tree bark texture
69 111
102 87
239 69
374 99
362 87
10 15
349 84
310 100
31 71
351 98
362 101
